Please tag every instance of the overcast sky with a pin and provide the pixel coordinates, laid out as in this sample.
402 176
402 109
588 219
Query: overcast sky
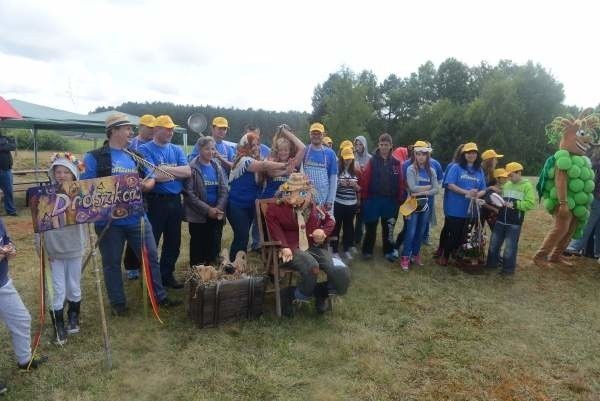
77 55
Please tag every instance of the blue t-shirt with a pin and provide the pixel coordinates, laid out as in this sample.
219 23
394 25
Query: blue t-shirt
272 185
165 155
135 144
243 189
4 240
265 151
319 165
122 163
211 183
456 205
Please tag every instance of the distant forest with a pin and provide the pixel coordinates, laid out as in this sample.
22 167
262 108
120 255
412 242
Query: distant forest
505 107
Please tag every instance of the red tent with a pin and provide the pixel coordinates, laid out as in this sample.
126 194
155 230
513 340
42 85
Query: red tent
7 111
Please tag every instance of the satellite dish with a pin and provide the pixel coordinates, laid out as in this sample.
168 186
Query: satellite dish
197 123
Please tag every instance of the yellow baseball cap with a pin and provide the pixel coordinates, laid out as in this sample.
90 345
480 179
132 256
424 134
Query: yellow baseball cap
513 167
469 147
220 122
148 120
327 140
347 153
420 144
317 127
165 122
500 173
346 144
490 154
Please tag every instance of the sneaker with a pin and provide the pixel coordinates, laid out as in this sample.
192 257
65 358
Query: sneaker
348 255
3 388
171 282
133 274
169 303
120 309
34 363
417 260
405 263
335 255
392 256
354 250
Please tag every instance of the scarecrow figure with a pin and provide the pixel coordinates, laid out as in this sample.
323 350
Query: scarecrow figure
302 227
566 184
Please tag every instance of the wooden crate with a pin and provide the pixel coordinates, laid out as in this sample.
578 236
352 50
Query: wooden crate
225 301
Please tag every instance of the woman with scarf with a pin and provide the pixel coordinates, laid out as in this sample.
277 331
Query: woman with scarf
244 188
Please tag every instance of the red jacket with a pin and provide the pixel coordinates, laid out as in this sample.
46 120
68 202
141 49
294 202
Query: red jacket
282 224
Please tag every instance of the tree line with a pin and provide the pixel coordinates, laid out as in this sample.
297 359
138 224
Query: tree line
505 107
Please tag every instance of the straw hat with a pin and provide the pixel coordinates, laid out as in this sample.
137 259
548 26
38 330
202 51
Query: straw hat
117 120
296 182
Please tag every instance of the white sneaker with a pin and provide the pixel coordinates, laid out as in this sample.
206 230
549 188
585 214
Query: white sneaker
335 255
348 255
353 250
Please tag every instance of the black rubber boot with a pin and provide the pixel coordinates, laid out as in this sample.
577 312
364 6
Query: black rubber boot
73 317
60 335
287 301
322 303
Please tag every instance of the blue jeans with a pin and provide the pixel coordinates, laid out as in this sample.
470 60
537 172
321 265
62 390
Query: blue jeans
111 249
165 213
507 234
415 232
6 185
240 219
592 227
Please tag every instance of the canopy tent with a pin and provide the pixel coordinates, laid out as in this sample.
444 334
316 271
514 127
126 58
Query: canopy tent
7 111
36 117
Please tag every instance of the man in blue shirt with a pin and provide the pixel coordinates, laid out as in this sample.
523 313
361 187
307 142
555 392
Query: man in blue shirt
320 165
225 153
110 159
145 135
165 210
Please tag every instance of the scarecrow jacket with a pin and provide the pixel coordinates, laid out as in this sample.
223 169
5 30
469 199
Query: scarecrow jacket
282 224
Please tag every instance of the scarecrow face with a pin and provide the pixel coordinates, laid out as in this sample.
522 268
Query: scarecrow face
300 198
575 140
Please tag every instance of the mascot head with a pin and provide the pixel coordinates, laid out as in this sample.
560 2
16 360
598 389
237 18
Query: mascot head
573 134
297 191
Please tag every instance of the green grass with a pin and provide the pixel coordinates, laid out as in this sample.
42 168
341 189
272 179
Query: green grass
430 334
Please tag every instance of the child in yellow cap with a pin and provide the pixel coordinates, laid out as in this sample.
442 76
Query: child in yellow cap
519 197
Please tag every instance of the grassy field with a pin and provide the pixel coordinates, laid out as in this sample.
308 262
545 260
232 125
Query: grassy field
432 333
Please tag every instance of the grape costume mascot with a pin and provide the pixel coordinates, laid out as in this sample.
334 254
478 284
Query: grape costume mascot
566 184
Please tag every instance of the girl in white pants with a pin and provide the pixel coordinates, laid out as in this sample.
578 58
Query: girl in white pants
65 247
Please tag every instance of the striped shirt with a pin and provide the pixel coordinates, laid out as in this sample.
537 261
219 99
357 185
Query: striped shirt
346 194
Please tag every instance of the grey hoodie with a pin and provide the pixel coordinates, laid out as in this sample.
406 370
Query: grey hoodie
364 158
67 242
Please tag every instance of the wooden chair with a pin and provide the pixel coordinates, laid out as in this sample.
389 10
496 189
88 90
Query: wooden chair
270 252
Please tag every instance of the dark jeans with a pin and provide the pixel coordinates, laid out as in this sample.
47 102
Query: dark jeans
507 234
387 236
344 219
111 249
130 261
453 234
165 214
6 185
338 277
205 241
415 225
240 219
359 228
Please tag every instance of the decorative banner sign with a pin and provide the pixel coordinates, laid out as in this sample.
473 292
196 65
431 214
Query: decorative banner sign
85 201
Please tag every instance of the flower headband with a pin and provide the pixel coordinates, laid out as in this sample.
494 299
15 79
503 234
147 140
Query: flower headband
70 157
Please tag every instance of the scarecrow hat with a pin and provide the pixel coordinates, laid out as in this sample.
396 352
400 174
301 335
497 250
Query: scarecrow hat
296 182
